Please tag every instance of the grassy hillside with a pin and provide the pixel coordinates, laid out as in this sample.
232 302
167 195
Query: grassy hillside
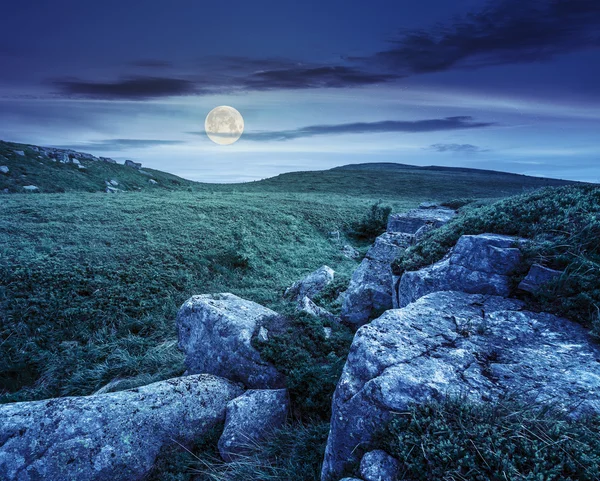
51 176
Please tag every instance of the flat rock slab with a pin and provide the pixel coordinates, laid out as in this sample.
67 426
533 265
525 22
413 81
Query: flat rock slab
110 437
215 332
452 343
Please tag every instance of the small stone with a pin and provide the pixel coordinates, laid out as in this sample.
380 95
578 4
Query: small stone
263 334
4 169
19 152
538 276
379 466
311 285
153 182
113 182
30 188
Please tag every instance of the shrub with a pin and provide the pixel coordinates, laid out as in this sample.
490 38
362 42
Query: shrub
372 224
457 440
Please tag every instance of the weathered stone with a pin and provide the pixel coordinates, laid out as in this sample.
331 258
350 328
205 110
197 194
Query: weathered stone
153 182
478 264
114 436
350 252
452 343
370 288
250 419
422 231
63 158
429 205
107 159
4 169
538 276
19 152
379 466
113 182
215 332
311 285
409 222
31 188
309 307
135 165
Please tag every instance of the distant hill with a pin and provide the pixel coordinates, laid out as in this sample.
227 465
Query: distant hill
29 168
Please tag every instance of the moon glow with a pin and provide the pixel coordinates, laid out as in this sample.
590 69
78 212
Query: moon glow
224 125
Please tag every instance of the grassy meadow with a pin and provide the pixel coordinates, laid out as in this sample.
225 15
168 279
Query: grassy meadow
90 283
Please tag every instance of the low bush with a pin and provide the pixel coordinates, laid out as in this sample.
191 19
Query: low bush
372 224
457 440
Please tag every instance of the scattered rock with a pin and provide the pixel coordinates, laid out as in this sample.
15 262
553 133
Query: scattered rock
107 159
379 466
63 158
153 182
409 222
112 190
75 161
5 191
309 307
263 334
370 288
135 165
4 169
19 152
250 419
109 436
82 167
215 333
350 252
30 188
478 264
538 276
452 343
429 205
311 285
327 332
113 182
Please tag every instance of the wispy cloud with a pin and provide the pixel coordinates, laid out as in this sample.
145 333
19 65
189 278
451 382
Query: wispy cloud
119 144
465 148
385 126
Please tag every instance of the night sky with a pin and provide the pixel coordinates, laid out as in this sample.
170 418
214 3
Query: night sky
502 85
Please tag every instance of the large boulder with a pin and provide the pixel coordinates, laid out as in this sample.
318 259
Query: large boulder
478 264
311 285
453 343
410 222
114 436
215 332
250 419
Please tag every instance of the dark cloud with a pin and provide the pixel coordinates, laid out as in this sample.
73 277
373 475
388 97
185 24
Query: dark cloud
468 148
430 125
505 32
119 144
136 88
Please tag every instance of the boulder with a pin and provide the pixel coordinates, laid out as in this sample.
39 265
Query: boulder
311 285
215 332
108 436
250 419
31 188
153 182
370 288
478 264
538 276
409 222
19 152
456 344
379 466
135 165
309 307
113 182
4 169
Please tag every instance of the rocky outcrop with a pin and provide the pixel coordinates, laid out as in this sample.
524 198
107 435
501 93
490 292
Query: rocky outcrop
135 165
215 332
478 264
538 276
311 285
453 343
114 436
250 419
379 466
411 221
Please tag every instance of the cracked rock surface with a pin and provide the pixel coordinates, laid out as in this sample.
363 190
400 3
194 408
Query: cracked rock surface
108 436
216 330
453 343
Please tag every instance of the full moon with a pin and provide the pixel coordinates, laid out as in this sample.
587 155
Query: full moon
224 125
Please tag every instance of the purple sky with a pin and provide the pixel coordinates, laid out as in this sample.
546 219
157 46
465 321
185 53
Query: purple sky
504 85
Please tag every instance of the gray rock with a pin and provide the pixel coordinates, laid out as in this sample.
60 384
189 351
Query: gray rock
107 159
19 152
63 158
350 252
311 285
478 264
452 343
30 188
250 419
112 190
309 307
429 205
135 165
263 334
379 466
422 231
409 222
538 276
5 191
370 288
153 182
215 332
4 169
75 161
81 167
114 436
113 182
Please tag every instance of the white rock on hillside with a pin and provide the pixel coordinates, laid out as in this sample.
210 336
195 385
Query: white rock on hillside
215 332
108 437
452 343
30 188
4 169
311 285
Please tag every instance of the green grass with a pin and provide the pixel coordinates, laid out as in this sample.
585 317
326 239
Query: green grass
564 227
456 440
